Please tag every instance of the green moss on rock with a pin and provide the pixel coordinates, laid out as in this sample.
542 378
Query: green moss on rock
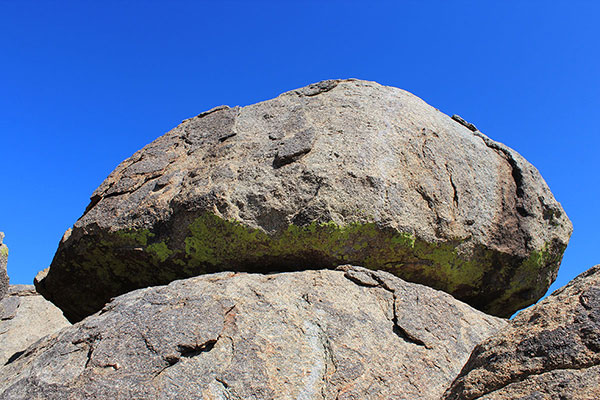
524 284
129 259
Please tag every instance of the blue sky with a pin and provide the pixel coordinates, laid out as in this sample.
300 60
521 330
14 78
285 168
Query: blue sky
85 84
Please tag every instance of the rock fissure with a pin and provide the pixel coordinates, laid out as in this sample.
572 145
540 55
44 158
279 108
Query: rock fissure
454 190
189 351
149 345
516 170
371 280
400 331
225 389
14 357
426 197
90 352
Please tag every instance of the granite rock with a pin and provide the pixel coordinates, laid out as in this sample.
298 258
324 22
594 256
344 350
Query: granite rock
549 351
343 334
342 171
4 281
25 317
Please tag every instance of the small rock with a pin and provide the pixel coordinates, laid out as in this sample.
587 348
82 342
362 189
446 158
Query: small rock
294 148
25 317
461 121
4 281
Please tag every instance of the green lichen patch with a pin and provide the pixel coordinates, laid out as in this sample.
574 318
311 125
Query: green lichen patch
3 251
117 262
528 282
217 244
134 237
160 250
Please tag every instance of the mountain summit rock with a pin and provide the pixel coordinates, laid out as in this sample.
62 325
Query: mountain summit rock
338 172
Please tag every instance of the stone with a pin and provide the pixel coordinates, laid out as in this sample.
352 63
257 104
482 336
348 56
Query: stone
4 281
343 171
25 317
466 124
549 351
343 334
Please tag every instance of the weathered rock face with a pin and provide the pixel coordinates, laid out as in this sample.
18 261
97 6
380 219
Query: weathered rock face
344 334
336 172
25 317
550 351
3 261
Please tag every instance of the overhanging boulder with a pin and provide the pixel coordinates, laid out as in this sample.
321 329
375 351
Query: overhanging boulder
342 171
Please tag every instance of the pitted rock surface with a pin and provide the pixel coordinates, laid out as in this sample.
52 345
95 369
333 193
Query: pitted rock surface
549 351
25 317
346 334
343 171
4 281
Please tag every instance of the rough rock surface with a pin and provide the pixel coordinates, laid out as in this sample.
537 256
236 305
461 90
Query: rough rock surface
337 172
320 334
25 317
550 351
3 261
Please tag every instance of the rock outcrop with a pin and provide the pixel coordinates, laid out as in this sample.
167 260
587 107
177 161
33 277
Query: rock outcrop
25 317
550 351
346 334
342 171
3 261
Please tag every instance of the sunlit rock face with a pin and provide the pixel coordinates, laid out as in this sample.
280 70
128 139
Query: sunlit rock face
320 334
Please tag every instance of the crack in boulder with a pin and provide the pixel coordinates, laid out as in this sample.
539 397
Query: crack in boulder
363 277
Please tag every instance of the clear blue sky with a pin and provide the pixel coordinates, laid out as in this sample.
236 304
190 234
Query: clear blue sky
85 84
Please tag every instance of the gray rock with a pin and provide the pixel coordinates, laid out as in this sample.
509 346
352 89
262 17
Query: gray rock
321 334
461 121
25 317
337 172
549 351
4 281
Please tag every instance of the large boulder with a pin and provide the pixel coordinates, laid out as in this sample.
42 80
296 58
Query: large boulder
3 273
25 317
347 334
549 351
337 172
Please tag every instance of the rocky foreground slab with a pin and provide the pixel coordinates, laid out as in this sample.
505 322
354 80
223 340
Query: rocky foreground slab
344 334
342 171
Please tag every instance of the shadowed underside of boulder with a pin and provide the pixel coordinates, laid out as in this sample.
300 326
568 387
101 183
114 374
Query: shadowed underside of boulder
333 173
345 334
